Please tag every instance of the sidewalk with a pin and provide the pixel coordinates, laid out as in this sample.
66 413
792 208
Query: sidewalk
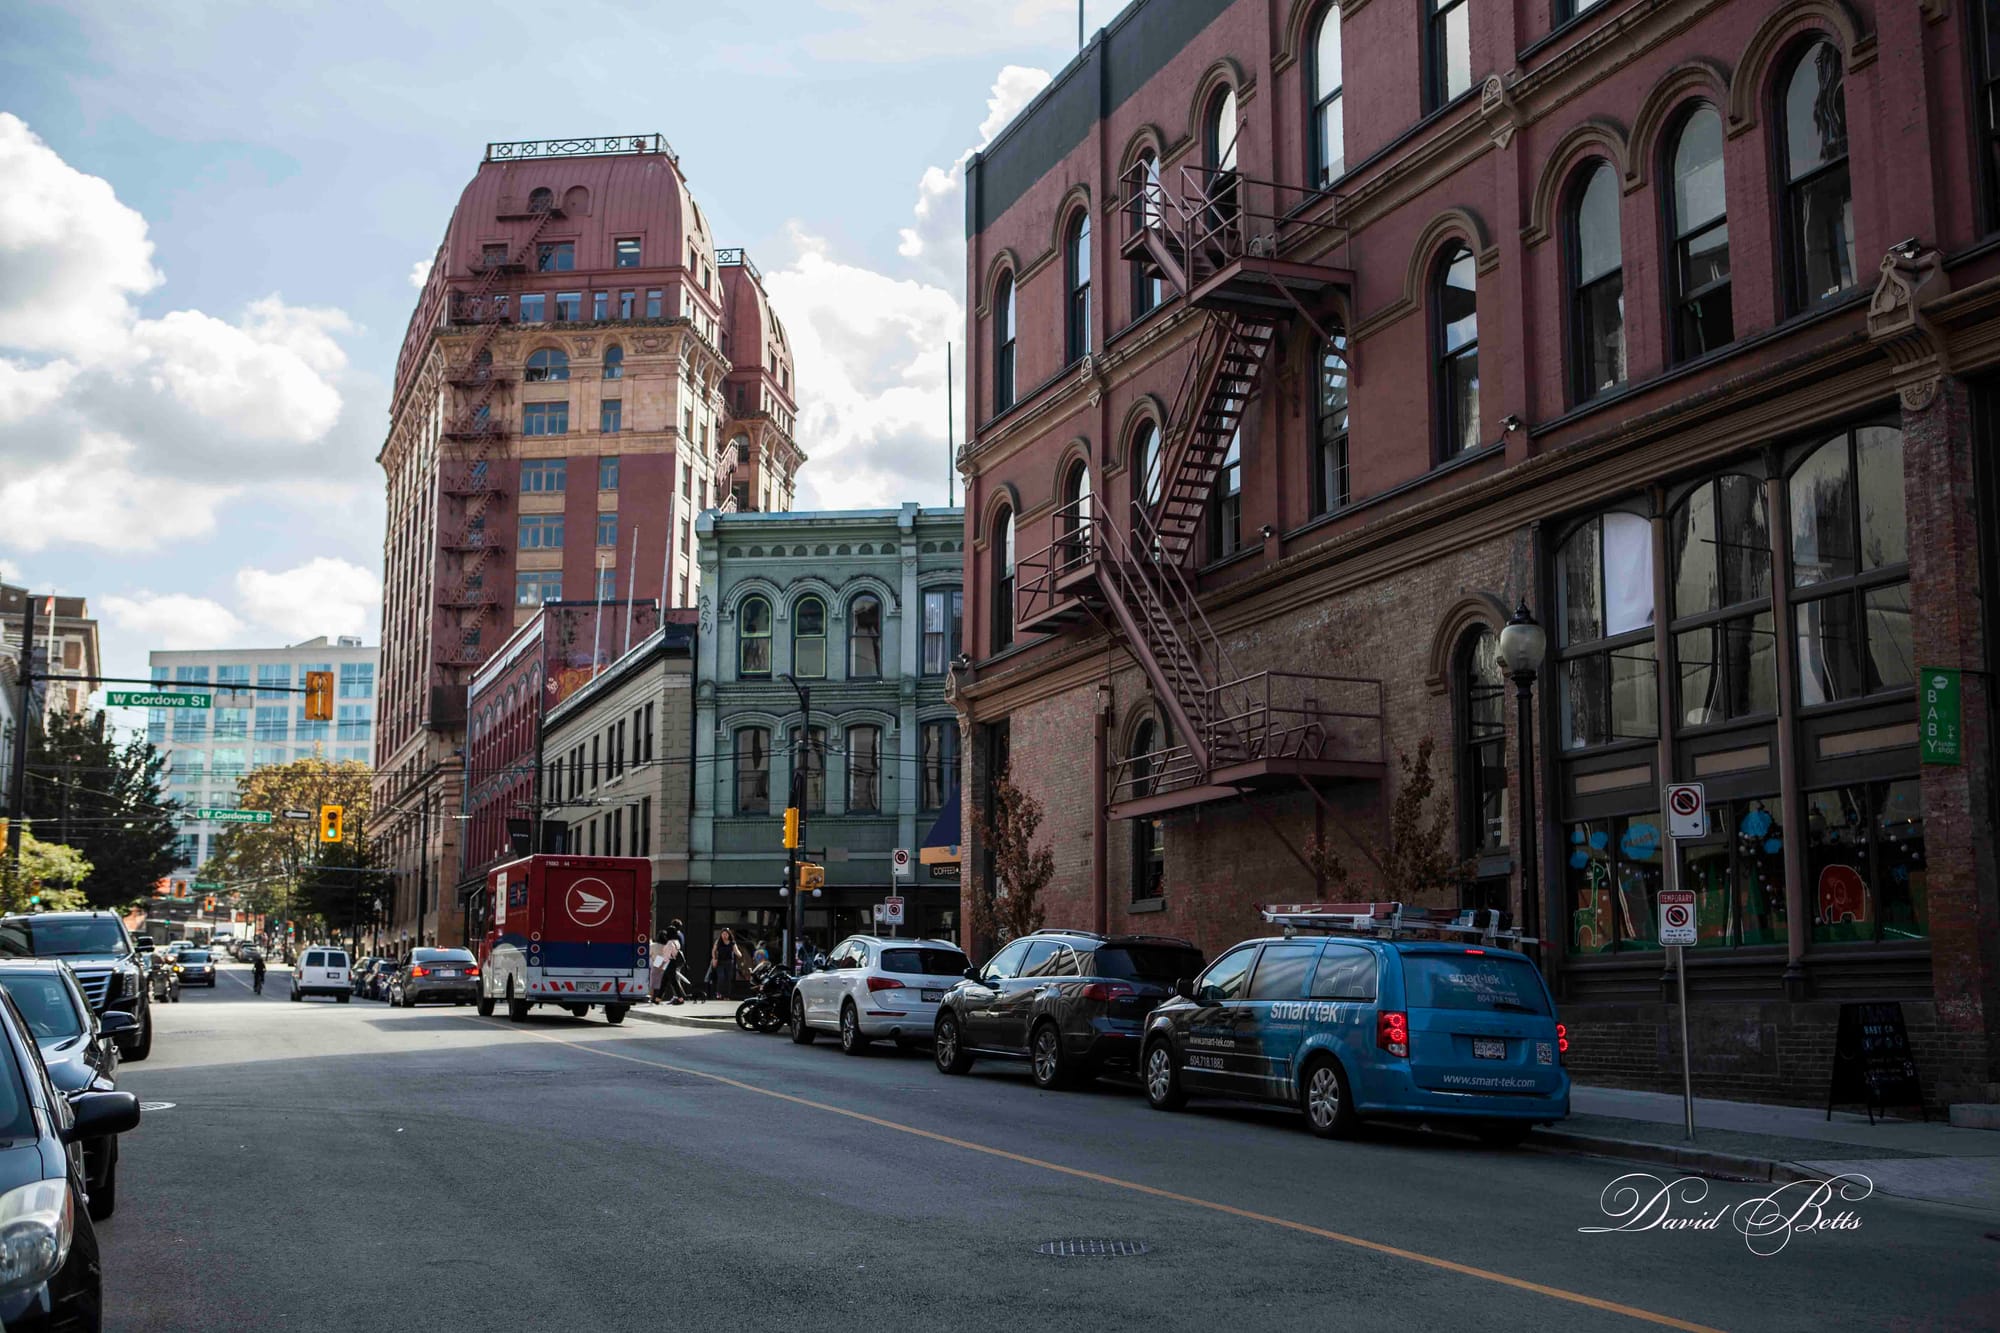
710 1015
1905 1158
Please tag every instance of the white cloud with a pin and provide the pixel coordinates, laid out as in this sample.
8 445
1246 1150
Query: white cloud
323 596
420 273
103 412
171 621
937 242
10 572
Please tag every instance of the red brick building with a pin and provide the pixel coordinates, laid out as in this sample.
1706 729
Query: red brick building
584 373
1309 340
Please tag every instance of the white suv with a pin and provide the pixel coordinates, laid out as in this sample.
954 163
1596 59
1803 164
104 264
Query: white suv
875 987
322 972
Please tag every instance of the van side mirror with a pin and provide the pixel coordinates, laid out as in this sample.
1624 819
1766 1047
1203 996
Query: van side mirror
1184 988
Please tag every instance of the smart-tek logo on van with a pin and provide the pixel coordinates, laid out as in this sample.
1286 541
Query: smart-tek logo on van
588 902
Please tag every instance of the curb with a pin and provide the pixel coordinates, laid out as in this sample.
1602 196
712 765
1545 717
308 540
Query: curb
683 1021
1700 1161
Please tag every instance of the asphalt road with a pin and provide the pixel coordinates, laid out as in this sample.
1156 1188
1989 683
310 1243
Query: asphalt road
353 1167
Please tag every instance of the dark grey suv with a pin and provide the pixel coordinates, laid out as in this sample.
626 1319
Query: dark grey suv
100 952
1069 1002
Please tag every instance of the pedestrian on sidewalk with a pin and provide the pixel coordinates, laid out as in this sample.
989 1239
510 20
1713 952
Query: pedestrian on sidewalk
724 962
677 980
657 957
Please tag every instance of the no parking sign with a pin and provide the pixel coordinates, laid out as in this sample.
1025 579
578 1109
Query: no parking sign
1687 810
1676 917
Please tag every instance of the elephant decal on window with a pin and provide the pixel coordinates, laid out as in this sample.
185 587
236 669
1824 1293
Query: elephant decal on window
1843 896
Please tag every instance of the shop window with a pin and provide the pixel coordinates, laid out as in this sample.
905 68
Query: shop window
1850 568
864 638
1597 286
1699 264
809 638
1865 865
1482 705
753 637
1737 874
753 771
1329 480
1819 199
1606 673
1455 303
1329 139
1611 880
1725 644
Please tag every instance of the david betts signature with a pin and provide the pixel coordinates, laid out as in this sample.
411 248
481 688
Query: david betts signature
1767 1222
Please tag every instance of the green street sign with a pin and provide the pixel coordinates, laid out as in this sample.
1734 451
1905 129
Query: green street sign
136 699
215 816
1938 734
207 884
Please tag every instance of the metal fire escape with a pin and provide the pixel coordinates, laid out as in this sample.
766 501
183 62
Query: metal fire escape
466 483
1217 245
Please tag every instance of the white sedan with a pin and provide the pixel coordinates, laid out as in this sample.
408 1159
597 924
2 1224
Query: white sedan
876 987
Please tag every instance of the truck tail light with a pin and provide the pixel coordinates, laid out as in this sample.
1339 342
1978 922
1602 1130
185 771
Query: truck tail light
884 983
1108 990
1392 1033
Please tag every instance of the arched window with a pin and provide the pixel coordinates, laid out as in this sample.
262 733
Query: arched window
809 638
1819 203
1076 509
1329 480
1145 462
1329 129
864 637
1003 344
1076 276
1604 635
541 201
1447 51
1225 514
549 363
1219 133
753 637
1003 580
1851 568
864 770
1148 201
1725 644
1482 769
1597 285
753 771
1149 836
1699 266
614 362
1455 302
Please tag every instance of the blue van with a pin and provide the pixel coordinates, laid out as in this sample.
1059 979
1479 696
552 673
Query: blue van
1354 1028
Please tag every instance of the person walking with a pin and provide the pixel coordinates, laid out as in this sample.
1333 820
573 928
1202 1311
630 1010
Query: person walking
658 959
678 983
725 961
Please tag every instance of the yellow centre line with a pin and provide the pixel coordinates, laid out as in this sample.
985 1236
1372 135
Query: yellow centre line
1377 1247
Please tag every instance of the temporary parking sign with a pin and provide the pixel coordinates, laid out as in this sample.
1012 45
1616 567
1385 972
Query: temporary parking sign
1676 916
1687 810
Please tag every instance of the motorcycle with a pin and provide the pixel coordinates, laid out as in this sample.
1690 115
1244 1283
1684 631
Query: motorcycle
769 1009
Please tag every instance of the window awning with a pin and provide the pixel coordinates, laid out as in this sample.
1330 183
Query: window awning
941 844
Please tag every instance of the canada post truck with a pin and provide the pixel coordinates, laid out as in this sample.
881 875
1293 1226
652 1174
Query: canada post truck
566 930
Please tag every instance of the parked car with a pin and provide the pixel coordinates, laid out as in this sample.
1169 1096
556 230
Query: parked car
99 950
322 971
249 953
435 974
875 987
78 1052
198 968
1069 1002
1354 1028
52 1277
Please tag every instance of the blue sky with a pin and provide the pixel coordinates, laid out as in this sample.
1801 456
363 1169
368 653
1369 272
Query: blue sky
215 208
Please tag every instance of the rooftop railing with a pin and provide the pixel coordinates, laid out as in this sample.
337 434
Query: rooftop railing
600 146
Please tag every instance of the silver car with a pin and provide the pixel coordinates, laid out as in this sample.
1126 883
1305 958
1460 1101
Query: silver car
435 974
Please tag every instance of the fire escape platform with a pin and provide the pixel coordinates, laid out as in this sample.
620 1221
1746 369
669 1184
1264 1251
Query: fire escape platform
1265 287
1227 781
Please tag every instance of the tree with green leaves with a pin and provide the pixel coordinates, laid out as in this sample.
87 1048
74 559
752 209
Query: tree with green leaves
267 865
50 878
106 800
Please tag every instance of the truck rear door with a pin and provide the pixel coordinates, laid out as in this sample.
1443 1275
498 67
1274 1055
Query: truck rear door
592 919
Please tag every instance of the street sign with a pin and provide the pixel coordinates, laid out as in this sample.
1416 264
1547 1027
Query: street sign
1687 810
215 816
901 861
1938 742
300 815
208 884
1676 917
892 911
137 699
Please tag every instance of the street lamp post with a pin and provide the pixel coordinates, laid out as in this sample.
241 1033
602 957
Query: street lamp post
1523 644
797 800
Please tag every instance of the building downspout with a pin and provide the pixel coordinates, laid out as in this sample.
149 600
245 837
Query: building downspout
1100 884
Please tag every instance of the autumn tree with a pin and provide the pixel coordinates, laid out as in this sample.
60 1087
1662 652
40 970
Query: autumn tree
1021 870
268 864
1420 856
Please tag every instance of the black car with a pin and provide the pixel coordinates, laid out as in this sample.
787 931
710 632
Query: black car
78 1052
101 953
199 968
1069 1002
51 1278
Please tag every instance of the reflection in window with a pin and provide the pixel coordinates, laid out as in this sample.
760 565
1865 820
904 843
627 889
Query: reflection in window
809 638
1725 643
1448 51
944 616
1004 330
938 756
1328 125
1225 515
1737 874
753 637
753 771
1597 286
1612 881
1850 568
864 769
1865 866
1003 582
809 758
1148 288
1457 341
1483 767
1330 428
864 637
1149 833
1819 202
1702 319
1076 269
1604 585
548 364
614 362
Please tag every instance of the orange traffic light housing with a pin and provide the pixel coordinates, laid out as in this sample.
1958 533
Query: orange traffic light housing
319 701
791 826
331 821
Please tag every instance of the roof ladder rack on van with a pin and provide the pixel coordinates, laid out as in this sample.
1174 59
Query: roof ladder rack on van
1389 921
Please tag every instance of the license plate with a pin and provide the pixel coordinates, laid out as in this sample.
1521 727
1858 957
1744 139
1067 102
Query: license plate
447 972
1489 1048
930 996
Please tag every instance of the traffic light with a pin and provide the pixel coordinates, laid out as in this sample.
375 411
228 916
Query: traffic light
208 903
811 876
319 701
791 826
331 819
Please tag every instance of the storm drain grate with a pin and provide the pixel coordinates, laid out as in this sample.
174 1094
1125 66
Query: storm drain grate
1092 1248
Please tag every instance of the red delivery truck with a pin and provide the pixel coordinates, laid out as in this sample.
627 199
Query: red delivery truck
566 930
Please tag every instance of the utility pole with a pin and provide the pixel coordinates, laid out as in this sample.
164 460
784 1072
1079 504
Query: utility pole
797 801
17 788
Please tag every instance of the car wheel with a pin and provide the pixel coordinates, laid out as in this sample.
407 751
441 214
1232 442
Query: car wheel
1503 1133
948 1045
1050 1063
343 997
801 1034
143 1047
104 1197
295 993
852 1040
1163 1080
485 1005
517 1010
1323 1096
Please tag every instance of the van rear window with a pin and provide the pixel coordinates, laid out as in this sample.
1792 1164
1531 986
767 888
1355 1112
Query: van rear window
1473 981
335 958
315 959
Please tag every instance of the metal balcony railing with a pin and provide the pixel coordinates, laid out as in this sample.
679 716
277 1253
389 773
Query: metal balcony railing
605 145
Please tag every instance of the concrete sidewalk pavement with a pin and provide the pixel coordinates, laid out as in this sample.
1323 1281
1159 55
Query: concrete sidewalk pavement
1906 1158
713 1015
